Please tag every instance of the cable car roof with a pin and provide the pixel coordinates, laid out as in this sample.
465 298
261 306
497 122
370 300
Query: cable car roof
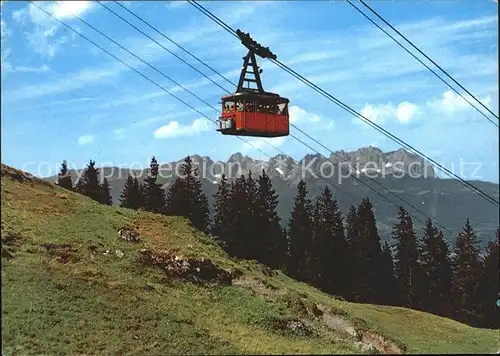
255 95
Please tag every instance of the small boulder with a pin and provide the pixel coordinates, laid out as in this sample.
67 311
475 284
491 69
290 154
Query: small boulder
129 235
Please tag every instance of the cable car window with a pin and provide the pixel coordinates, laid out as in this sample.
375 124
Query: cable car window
228 106
239 106
283 109
249 107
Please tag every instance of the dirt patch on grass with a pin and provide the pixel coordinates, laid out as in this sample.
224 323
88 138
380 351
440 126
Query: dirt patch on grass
10 242
366 340
197 271
63 253
299 304
256 286
339 323
129 235
289 325
379 343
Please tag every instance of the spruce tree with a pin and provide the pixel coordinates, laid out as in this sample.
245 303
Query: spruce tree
253 240
407 265
437 269
368 252
142 193
185 197
490 286
238 236
222 217
355 255
466 277
154 196
269 237
387 279
64 177
88 184
131 194
330 245
301 261
106 193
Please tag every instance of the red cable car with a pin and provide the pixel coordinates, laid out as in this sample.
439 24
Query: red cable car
253 111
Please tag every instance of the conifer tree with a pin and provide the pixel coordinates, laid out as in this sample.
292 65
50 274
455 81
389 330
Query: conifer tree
64 178
185 197
301 261
222 216
154 195
407 265
490 286
387 280
237 239
131 194
367 252
106 193
88 184
330 245
354 256
466 276
437 268
253 240
142 193
286 257
269 236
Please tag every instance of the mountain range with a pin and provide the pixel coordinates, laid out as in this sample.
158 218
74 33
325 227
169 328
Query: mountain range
367 171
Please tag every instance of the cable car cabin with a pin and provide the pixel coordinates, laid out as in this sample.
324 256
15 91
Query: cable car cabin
253 111
252 114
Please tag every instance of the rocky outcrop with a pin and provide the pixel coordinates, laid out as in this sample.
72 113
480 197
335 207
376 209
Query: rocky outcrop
197 271
129 235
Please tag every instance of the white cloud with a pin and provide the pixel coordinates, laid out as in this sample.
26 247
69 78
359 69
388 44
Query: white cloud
376 114
4 30
314 56
175 129
452 103
23 69
59 9
385 63
5 64
176 3
42 29
65 9
299 115
68 83
403 112
406 111
85 140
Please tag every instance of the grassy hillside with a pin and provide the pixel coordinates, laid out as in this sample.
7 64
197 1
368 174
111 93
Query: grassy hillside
72 285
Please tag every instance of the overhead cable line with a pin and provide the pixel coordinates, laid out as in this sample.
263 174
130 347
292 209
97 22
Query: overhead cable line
355 113
159 44
426 66
172 41
212 107
162 73
427 57
151 81
136 71
385 188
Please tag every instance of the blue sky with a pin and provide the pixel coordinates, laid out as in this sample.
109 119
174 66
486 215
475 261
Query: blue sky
62 98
